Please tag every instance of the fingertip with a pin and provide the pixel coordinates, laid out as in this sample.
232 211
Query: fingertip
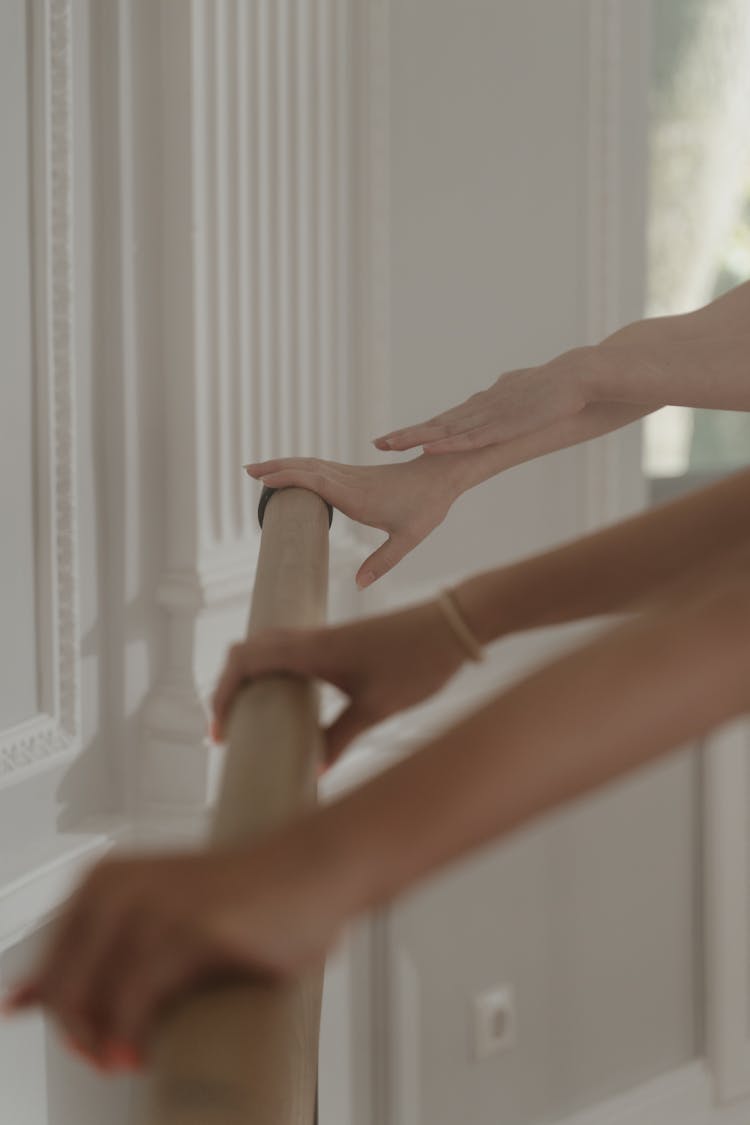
365 578
19 997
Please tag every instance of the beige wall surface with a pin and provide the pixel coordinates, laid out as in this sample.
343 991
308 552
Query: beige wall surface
591 914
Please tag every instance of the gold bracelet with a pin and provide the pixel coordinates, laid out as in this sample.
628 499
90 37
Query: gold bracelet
455 618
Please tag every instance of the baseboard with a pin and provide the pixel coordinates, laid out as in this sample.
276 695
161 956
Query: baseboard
681 1097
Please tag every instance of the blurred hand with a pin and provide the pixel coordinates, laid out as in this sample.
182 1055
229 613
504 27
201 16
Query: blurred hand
518 403
383 664
407 500
130 939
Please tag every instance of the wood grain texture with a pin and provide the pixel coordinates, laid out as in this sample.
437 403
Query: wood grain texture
246 1054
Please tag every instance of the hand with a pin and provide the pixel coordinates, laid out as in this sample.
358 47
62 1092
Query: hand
131 939
384 664
407 500
518 403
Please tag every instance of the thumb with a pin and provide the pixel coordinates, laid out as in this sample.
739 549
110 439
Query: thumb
351 722
381 561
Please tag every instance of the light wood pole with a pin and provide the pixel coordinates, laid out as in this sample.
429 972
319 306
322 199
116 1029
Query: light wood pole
247 1053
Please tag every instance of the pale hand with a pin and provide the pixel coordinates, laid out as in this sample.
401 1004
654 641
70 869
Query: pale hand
130 939
518 403
383 664
407 500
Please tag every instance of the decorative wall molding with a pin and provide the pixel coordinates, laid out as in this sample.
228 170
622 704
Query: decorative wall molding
681 1097
56 730
611 484
257 315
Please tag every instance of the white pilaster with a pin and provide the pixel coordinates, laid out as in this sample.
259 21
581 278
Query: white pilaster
257 277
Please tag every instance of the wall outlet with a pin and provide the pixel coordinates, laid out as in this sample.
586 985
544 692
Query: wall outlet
494 1022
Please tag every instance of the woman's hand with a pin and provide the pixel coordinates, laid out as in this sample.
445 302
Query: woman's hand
132 937
384 664
518 403
407 500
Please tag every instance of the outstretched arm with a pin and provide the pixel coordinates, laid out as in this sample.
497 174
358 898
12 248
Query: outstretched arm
610 707
699 358
387 663
277 905
695 359
612 570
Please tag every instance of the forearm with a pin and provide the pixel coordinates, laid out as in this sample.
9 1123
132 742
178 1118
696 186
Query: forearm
464 471
709 372
698 358
612 570
578 723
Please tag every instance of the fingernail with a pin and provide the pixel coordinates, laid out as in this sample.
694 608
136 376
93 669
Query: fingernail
365 579
213 731
130 1059
121 1056
12 1000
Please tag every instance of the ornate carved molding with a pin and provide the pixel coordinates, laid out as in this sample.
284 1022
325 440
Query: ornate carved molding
56 730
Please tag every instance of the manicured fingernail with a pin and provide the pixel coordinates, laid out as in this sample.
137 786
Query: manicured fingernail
121 1056
129 1059
16 998
365 579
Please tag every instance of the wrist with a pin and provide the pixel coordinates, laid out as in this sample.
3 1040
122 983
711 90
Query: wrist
601 371
450 471
485 605
314 856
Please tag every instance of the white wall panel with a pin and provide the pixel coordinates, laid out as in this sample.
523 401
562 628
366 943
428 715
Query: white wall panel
18 686
41 426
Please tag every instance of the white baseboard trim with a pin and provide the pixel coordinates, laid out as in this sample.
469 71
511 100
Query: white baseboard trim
681 1097
35 883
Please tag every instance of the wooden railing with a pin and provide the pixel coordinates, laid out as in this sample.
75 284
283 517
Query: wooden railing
246 1053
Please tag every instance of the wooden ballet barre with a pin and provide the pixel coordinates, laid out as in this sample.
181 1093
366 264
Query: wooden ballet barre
247 1053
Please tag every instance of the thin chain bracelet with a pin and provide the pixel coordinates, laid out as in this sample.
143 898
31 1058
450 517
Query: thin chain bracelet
455 618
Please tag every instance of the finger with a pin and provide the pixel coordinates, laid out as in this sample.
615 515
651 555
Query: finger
349 724
282 651
22 996
137 979
476 438
294 464
381 561
400 440
455 420
71 991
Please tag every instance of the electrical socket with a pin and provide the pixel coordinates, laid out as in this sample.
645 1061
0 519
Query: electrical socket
494 1022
